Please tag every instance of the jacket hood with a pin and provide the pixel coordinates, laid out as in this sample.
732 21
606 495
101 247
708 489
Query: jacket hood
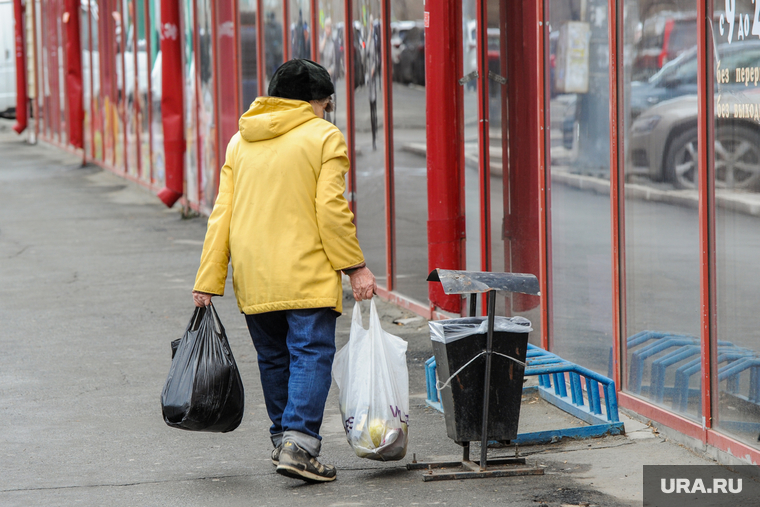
269 117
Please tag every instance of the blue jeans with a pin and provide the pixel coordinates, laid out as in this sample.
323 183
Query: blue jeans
295 353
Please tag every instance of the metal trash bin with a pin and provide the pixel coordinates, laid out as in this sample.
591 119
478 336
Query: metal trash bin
457 342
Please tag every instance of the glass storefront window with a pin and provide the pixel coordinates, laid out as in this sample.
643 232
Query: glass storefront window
331 54
141 113
299 28
272 37
409 137
248 54
131 84
157 128
207 125
737 179
581 260
369 139
472 198
661 219
191 116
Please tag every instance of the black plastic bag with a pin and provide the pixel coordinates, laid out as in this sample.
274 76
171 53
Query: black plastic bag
203 391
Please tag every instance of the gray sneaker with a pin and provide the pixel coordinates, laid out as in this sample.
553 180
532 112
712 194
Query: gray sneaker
296 463
276 455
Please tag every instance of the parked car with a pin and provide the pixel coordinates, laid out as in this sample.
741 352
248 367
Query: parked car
679 77
664 36
662 142
398 32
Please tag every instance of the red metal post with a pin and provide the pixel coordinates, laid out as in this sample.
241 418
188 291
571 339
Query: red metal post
285 30
542 153
445 144
172 102
74 88
706 168
21 96
314 29
525 143
260 67
390 185
616 192
484 171
349 56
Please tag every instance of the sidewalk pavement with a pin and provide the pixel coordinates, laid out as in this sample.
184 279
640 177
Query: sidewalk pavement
95 282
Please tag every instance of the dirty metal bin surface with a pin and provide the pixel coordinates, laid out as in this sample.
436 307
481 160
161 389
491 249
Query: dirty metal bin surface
455 343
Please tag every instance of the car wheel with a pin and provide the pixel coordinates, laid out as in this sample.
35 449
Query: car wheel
737 158
681 160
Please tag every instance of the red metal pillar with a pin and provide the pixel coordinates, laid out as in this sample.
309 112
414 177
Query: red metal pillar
706 189
74 89
261 74
617 196
314 29
390 185
285 30
484 140
21 96
526 150
445 144
348 44
172 102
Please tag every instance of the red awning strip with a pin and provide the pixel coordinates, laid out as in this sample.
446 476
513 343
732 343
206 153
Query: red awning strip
172 102
21 98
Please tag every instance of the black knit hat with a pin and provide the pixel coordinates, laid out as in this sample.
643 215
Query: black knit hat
301 79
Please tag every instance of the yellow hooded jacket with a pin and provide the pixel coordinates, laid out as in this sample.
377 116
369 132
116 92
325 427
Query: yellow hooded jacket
280 216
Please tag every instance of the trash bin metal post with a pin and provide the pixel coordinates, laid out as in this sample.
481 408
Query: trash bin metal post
491 296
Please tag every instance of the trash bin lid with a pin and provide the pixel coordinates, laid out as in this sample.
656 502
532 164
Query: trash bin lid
450 330
470 282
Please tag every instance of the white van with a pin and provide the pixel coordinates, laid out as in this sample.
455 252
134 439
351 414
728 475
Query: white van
7 59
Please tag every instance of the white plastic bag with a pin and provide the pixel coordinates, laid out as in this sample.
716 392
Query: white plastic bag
370 371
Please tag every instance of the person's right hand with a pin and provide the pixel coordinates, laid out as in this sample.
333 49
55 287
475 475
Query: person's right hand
201 299
363 284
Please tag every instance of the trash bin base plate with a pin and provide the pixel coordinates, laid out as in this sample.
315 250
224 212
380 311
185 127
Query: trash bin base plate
505 467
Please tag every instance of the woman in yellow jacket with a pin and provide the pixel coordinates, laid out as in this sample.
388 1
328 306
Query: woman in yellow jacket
282 221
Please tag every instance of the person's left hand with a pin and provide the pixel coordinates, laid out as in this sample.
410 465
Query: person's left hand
201 299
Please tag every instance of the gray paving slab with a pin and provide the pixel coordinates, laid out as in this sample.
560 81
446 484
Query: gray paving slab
95 280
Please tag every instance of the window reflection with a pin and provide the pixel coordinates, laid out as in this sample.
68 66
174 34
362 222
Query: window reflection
581 329
248 53
661 221
273 37
737 181
300 41
369 140
410 169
